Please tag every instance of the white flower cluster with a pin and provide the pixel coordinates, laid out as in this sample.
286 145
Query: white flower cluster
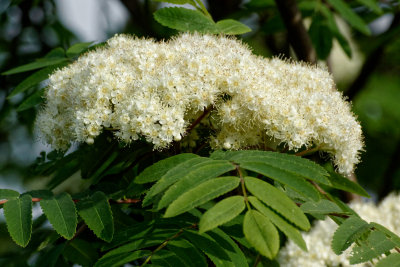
319 239
139 87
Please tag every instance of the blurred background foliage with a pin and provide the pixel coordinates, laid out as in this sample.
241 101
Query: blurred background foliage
358 41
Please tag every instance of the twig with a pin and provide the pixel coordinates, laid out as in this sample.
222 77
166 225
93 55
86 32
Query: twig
298 36
119 201
199 119
163 244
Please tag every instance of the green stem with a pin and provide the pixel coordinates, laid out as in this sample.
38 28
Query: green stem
243 186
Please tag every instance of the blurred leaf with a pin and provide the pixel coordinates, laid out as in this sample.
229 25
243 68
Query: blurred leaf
321 36
350 16
35 79
184 19
376 245
261 233
178 2
77 49
36 65
230 26
278 201
289 230
348 232
200 194
33 100
8 193
393 260
373 5
96 212
61 213
273 25
57 52
331 23
222 212
18 213
80 252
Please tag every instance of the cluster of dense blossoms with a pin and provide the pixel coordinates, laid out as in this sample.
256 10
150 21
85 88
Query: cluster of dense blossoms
139 87
319 239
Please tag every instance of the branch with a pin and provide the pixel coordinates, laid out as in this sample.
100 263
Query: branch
119 201
298 36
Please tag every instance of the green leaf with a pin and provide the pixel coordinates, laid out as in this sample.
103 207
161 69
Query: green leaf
321 36
290 231
213 249
8 193
120 259
342 183
57 52
33 100
18 213
222 212
167 258
233 27
231 248
201 194
36 65
35 79
78 48
393 260
348 232
373 5
187 252
198 174
96 212
158 169
183 19
392 236
178 2
278 201
323 206
376 245
331 23
261 233
291 163
171 176
296 183
61 213
80 252
350 16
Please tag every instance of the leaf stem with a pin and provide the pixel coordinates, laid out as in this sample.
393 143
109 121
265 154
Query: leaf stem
163 244
243 186
202 8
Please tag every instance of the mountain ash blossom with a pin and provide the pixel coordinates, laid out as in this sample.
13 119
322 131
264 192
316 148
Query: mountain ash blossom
143 88
319 239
